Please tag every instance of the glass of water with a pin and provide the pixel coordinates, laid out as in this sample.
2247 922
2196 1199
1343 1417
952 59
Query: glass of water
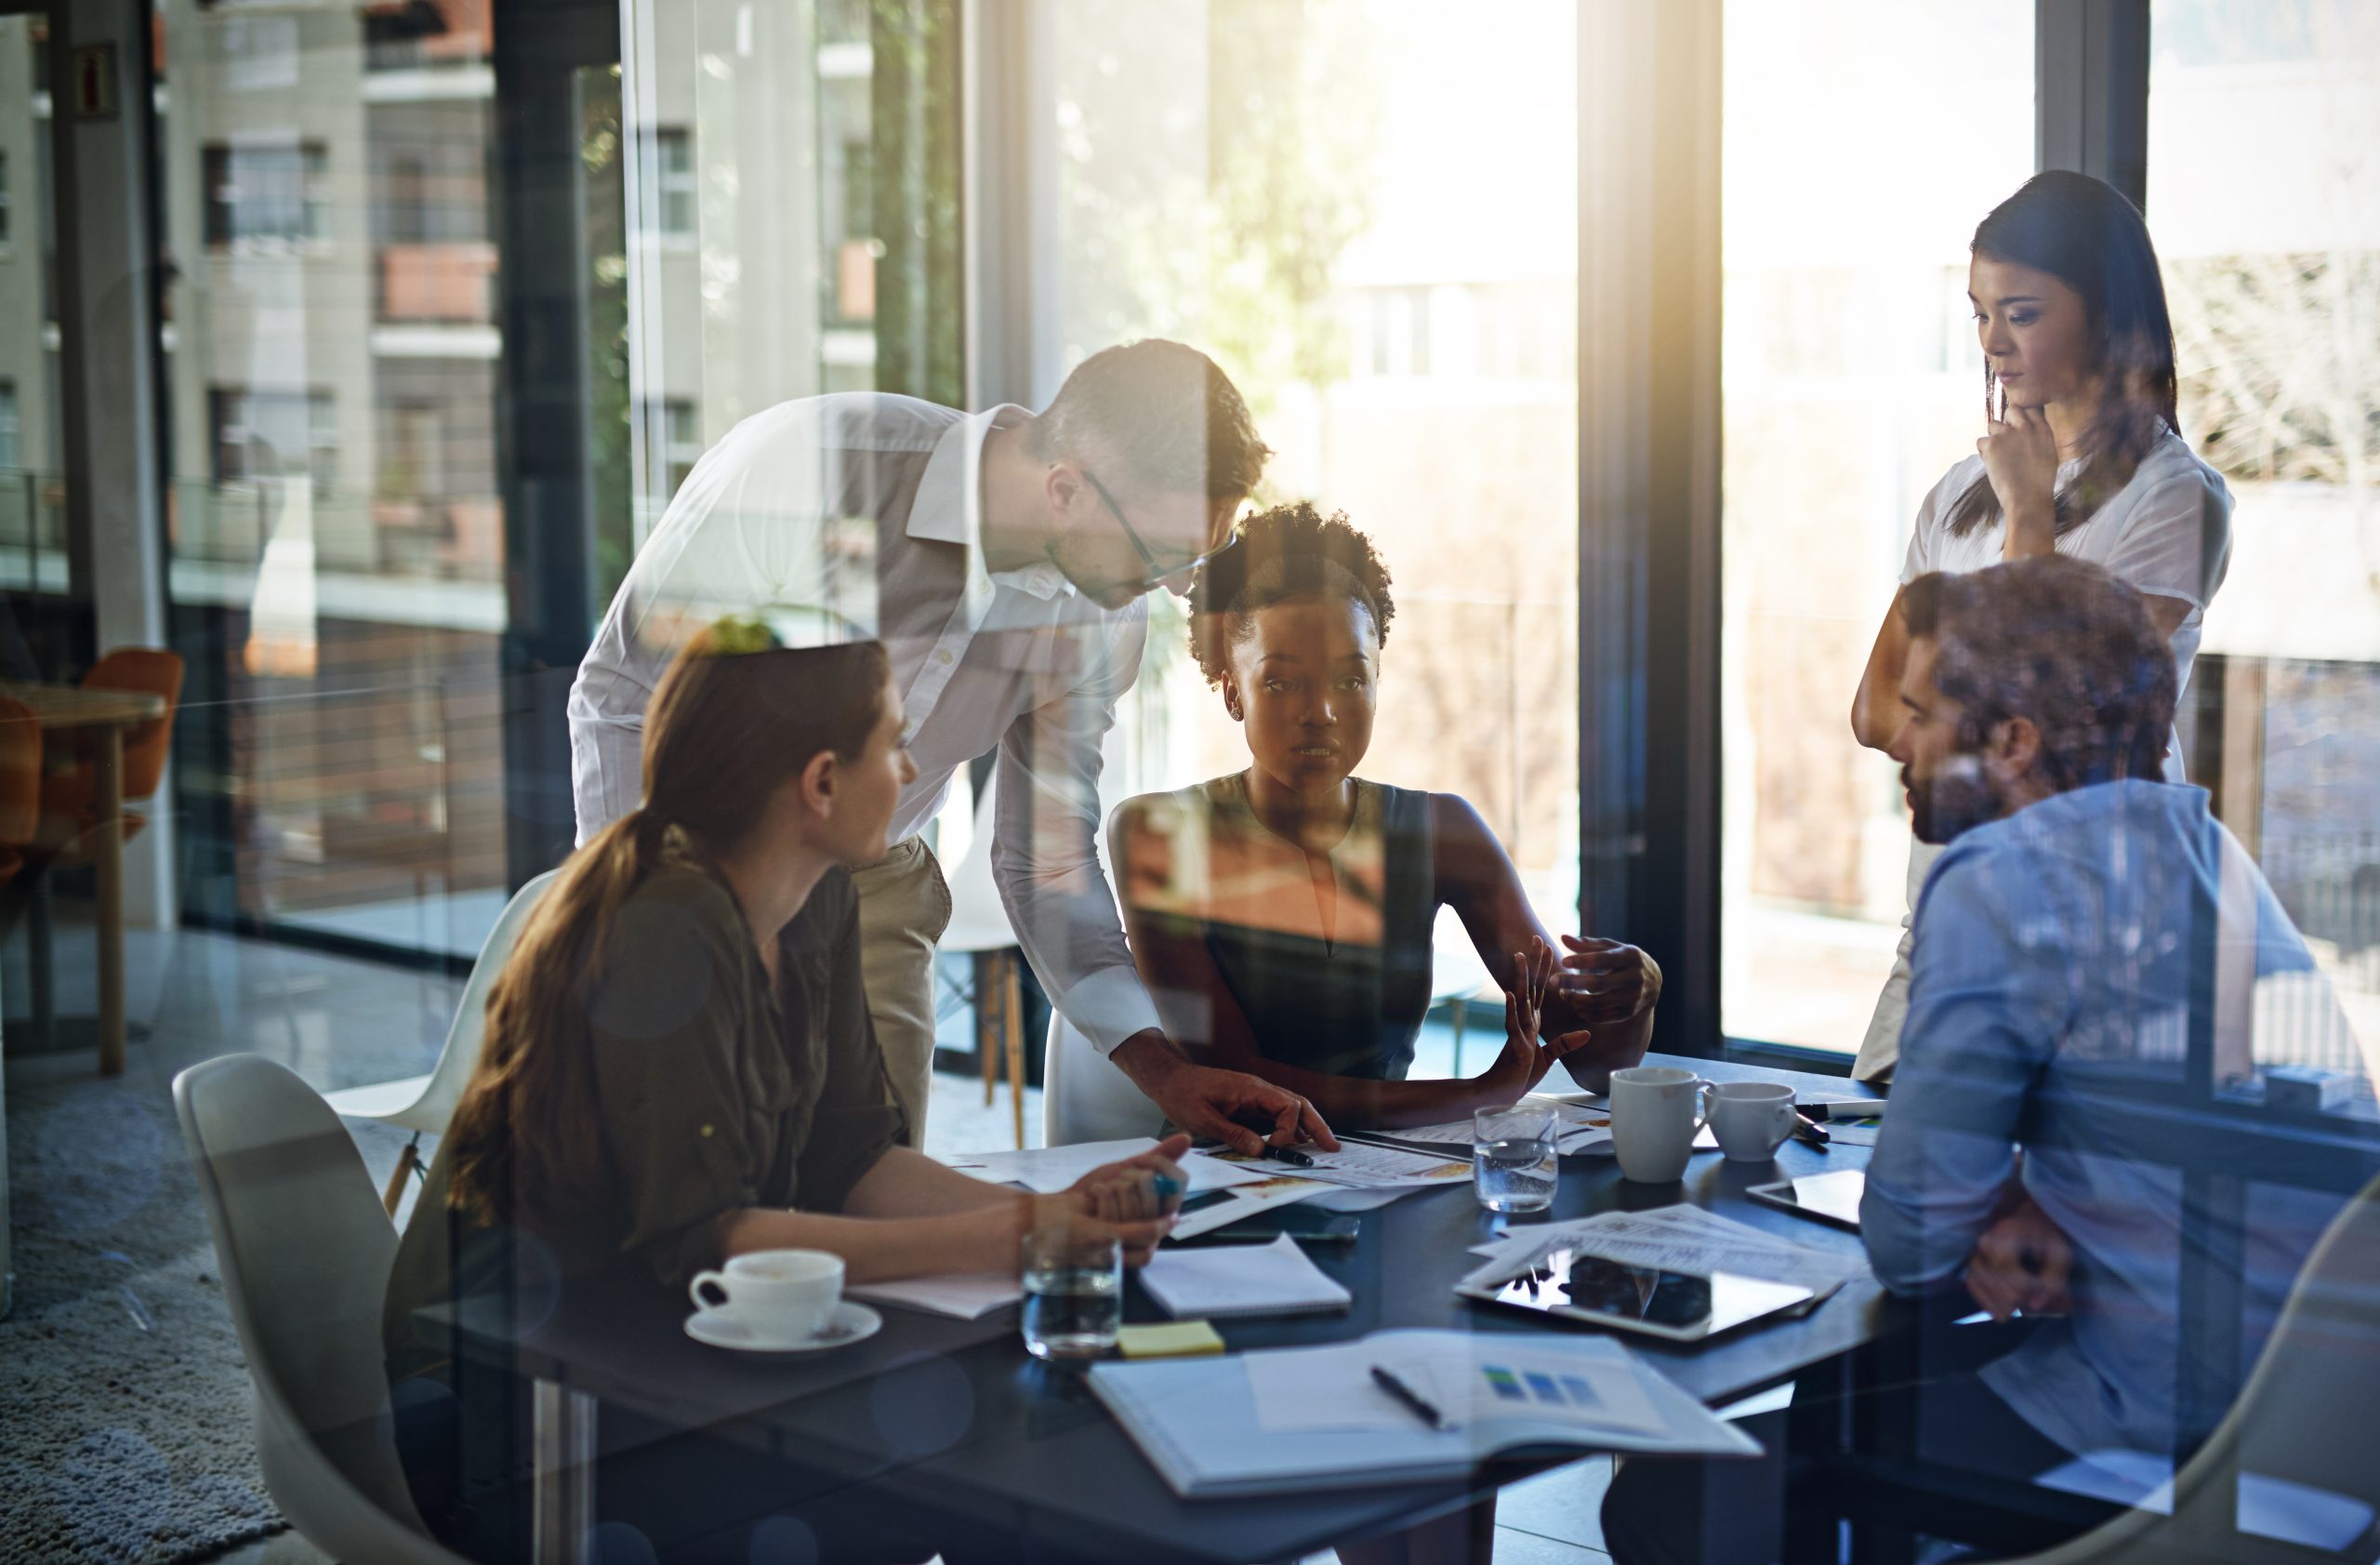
1074 1294
1514 1164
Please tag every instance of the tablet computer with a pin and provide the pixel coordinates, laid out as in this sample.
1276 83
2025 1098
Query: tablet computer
1679 1306
1829 1198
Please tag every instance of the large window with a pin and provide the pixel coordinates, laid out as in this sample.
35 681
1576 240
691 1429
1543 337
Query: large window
333 505
2264 197
1328 198
268 193
1862 141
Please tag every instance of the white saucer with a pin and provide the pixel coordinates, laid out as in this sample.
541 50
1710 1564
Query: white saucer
848 1322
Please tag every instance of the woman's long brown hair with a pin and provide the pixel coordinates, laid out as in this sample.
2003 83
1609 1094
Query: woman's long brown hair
724 732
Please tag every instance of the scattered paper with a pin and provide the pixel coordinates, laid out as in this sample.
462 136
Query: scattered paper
1244 1200
1580 1126
1364 1165
1047 1170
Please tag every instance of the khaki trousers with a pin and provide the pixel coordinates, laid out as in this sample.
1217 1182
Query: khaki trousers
904 907
1880 1050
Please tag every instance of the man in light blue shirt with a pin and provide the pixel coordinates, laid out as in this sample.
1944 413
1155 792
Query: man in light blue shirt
2056 943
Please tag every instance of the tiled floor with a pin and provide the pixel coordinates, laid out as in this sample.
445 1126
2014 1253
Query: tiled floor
339 1022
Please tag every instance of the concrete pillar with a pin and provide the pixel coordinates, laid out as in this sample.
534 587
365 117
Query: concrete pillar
107 247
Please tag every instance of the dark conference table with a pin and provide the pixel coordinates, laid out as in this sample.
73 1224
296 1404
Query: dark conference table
953 1418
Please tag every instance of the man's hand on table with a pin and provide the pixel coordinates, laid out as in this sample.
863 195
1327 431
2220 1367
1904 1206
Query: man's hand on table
1210 1104
2023 1261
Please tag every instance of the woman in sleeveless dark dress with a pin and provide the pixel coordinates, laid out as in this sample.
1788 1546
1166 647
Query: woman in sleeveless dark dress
1282 915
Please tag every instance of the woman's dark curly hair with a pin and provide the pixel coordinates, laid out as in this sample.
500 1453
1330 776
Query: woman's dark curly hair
1288 552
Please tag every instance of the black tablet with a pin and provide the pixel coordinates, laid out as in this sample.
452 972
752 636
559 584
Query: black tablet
1829 1198
1679 1306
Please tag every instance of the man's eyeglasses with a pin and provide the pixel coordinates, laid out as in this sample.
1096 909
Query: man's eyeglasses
1157 572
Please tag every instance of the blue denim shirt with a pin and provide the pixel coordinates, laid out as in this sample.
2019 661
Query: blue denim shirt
2051 976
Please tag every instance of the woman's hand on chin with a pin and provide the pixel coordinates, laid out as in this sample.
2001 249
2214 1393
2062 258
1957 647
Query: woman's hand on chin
1525 1060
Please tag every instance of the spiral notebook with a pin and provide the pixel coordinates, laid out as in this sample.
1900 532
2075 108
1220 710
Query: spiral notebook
1275 1279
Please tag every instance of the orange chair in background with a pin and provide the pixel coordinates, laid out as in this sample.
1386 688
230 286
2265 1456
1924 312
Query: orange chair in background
67 803
66 836
20 785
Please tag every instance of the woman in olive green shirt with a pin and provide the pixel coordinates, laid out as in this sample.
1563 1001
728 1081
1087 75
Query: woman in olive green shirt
679 1068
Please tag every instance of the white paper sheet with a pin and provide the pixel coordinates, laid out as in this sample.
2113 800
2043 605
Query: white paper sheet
960 1295
1582 1124
1275 1279
1362 1166
1047 1170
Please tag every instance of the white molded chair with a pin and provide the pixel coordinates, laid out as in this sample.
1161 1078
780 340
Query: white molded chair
424 1104
979 927
1085 1096
304 1253
2297 1445
1455 973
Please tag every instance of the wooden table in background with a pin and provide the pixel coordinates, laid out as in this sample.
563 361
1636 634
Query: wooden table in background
91 724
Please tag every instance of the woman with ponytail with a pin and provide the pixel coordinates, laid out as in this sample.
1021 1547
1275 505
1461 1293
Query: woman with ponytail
2082 453
679 1068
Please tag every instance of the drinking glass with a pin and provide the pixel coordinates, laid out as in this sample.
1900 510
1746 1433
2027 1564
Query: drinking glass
1514 1164
1074 1294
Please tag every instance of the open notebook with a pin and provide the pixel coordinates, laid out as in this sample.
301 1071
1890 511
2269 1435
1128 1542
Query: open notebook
1295 1418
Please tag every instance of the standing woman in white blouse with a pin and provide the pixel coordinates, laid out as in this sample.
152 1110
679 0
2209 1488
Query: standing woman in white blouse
2082 453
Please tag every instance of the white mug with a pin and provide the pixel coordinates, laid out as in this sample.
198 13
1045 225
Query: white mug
1751 1118
1654 1113
778 1295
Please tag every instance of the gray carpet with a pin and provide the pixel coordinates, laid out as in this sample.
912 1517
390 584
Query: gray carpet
122 1388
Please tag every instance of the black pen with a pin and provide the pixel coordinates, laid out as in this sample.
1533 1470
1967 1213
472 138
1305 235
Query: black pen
1289 1155
1809 1130
1410 1397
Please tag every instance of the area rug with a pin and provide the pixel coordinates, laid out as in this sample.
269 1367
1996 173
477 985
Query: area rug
126 1426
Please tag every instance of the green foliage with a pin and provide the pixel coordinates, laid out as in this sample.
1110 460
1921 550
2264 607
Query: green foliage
1293 132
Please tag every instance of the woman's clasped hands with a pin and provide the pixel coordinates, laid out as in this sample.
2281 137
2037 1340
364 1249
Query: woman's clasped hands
1132 1202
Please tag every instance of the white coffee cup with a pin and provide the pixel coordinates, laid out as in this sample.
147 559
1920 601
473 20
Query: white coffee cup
778 1295
1656 1110
1751 1118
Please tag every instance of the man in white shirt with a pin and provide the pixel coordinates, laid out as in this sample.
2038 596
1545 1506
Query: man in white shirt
1004 558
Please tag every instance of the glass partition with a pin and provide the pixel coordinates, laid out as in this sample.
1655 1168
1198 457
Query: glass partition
334 507
1863 140
2264 195
1367 210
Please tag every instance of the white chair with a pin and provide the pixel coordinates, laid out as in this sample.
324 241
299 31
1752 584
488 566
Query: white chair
1085 1096
304 1254
2294 1455
424 1104
979 927
1455 973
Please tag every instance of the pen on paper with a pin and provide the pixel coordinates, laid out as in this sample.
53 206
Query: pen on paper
1419 1406
1290 1155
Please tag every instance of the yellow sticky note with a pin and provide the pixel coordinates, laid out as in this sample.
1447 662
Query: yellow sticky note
1175 1339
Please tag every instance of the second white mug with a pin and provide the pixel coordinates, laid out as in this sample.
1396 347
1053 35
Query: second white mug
1656 1109
1751 1118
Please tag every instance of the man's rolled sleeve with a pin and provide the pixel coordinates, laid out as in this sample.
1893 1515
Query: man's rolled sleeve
1045 848
1982 1003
